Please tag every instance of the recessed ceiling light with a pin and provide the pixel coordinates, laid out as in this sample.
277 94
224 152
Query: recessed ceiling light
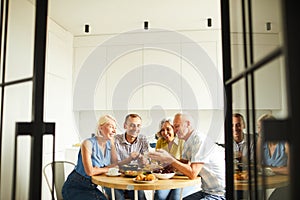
87 28
146 25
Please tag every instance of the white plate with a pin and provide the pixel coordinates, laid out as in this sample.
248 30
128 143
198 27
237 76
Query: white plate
108 174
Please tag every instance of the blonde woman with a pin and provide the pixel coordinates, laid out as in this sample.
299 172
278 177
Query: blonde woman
96 155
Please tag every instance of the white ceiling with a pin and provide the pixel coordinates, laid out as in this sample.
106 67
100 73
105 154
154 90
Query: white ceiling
117 16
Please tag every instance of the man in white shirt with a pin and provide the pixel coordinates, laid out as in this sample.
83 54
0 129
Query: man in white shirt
204 157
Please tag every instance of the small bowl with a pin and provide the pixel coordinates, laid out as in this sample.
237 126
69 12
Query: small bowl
164 175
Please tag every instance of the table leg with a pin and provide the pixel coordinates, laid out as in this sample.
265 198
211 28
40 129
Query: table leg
112 193
136 196
181 190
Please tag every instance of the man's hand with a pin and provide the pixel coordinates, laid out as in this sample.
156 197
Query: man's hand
134 155
142 160
162 156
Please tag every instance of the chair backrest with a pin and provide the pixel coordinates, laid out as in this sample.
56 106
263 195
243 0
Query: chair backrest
61 169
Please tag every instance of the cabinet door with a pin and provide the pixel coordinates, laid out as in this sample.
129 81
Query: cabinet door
267 80
201 78
124 77
162 77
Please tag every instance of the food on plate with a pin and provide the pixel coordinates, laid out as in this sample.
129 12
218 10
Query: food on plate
150 177
130 173
241 176
165 170
142 177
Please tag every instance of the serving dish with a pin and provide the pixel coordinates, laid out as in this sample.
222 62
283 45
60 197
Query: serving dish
164 175
130 167
130 173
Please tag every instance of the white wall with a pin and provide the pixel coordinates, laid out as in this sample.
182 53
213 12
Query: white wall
113 85
58 95
117 74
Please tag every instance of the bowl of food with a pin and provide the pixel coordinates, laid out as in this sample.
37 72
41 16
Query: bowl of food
166 172
164 175
131 167
131 173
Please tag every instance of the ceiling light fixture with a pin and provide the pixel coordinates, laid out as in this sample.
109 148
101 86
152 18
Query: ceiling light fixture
268 26
86 28
209 24
146 25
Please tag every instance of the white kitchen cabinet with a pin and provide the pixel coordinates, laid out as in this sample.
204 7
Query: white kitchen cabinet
124 77
176 73
162 78
268 81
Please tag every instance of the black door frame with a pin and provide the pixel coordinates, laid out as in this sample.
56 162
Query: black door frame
290 52
37 128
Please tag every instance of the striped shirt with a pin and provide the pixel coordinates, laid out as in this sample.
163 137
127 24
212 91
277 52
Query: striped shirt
124 148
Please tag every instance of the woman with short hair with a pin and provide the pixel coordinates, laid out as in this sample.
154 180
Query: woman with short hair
96 155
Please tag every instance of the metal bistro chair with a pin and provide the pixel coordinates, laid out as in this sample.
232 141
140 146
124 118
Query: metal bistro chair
62 169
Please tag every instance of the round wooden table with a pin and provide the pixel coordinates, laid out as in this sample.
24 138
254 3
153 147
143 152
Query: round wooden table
127 183
275 181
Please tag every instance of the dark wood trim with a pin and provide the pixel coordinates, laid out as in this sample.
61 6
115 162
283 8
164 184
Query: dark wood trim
226 52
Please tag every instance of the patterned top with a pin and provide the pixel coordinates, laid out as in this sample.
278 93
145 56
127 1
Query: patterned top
279 157
124 148
97 156
176 149
243 147
199 149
